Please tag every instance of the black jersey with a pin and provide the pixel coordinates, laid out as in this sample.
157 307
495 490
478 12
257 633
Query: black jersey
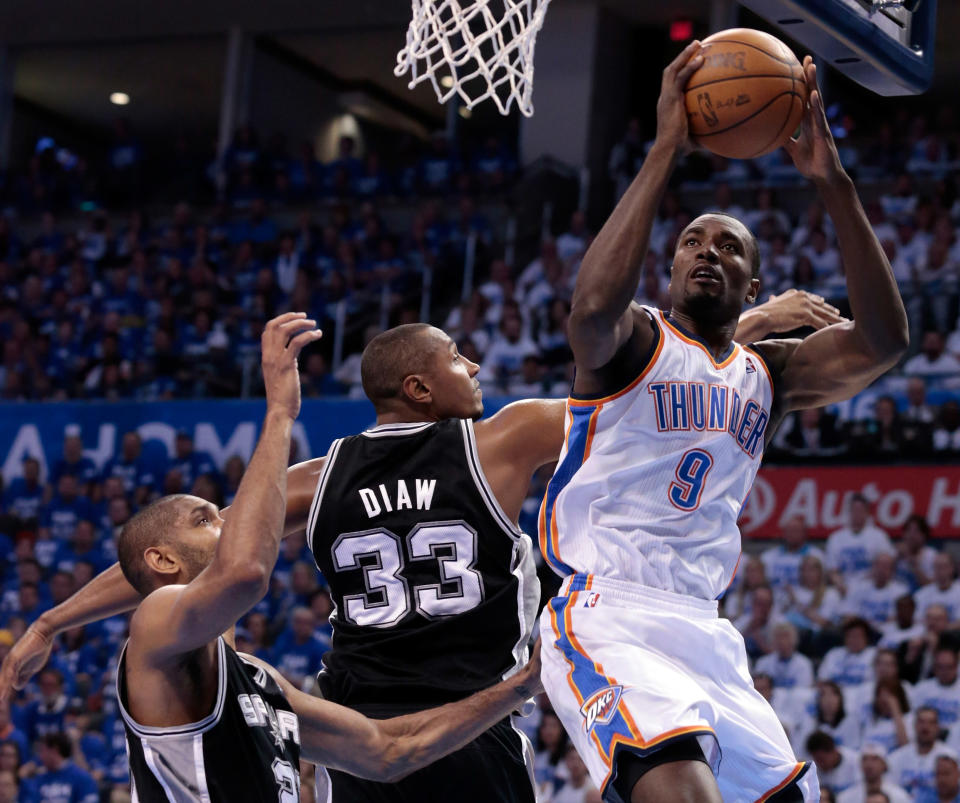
247 748
434 588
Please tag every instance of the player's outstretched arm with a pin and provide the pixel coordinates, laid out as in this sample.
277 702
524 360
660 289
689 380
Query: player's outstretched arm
180 618
600 318
840 360
390 749
790 310
109 593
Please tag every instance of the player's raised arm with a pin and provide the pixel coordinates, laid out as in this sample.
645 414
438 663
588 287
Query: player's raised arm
389 749
176 619
837 362
600 319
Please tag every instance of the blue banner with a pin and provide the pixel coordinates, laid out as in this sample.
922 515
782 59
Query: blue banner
221 428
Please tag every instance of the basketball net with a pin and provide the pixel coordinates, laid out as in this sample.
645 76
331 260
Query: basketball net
476 49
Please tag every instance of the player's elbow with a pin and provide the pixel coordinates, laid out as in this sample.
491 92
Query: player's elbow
890 346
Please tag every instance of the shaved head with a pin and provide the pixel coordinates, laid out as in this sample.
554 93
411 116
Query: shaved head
394 355
157 525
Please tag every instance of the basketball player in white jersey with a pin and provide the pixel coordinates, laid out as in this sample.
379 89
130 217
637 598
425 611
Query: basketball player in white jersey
666 427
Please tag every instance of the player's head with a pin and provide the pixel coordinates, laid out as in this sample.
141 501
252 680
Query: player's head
170 541
416 368
716 269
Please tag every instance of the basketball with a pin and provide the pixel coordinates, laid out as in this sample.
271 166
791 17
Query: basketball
748 97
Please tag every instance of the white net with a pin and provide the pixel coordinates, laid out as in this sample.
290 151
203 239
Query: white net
476 49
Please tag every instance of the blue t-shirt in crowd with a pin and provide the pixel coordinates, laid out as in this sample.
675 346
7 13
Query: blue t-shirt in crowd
196 464
298 659
69 784
38 719
61 516
21 500
135 473
66 558
85 470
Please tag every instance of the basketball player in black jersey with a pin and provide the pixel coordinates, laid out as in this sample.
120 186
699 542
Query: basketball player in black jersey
430 574
204 723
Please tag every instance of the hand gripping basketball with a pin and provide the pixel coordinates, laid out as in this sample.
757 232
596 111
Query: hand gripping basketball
281 342
671 112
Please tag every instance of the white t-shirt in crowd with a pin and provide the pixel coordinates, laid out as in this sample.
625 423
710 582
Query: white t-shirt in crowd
945 699
876 605
830 608
846 668
568 794
858 793
794 672
783 566
846 774
914 772
931 594
852 553
892 635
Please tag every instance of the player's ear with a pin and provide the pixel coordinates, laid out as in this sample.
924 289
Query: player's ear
159 560
753 291
415 388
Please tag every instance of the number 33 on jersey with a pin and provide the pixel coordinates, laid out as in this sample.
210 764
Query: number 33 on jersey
684 441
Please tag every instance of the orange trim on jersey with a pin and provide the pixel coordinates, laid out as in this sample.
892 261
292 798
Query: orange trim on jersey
784 783
542 524
554 532
732 576
590 402
763 363
700 345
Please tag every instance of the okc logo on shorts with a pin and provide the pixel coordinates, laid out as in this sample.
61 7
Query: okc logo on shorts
599 707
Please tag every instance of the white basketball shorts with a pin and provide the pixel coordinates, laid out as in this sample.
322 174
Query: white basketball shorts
634 668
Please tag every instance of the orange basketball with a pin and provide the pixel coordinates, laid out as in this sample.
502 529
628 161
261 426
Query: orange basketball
748 97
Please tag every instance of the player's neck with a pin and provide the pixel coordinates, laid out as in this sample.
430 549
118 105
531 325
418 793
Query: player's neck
405 415
717 337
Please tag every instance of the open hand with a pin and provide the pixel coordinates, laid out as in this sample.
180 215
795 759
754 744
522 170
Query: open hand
281 342
25 659
794 309
671 107
814 152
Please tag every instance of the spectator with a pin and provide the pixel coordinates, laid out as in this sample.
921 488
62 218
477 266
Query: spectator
47 713
873 762
887 435
9 787
738 604
912 766
66 509
140 477
62 780
786 667
82 547
504 359
946 780
572 244
874 598
9 732
916 656
887 722
837 766
23 497
551 747
942 691
812 605
829 716
946 435
188 461
578 785
232 475
933 360
298 652
916 555
851 664
782 562
944 590
757 625
902 628
917 408
810 433
73 462
851 549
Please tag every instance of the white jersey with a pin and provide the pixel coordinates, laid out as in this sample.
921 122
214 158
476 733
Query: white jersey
651 480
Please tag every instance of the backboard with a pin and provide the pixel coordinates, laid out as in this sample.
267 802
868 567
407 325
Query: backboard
884 45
